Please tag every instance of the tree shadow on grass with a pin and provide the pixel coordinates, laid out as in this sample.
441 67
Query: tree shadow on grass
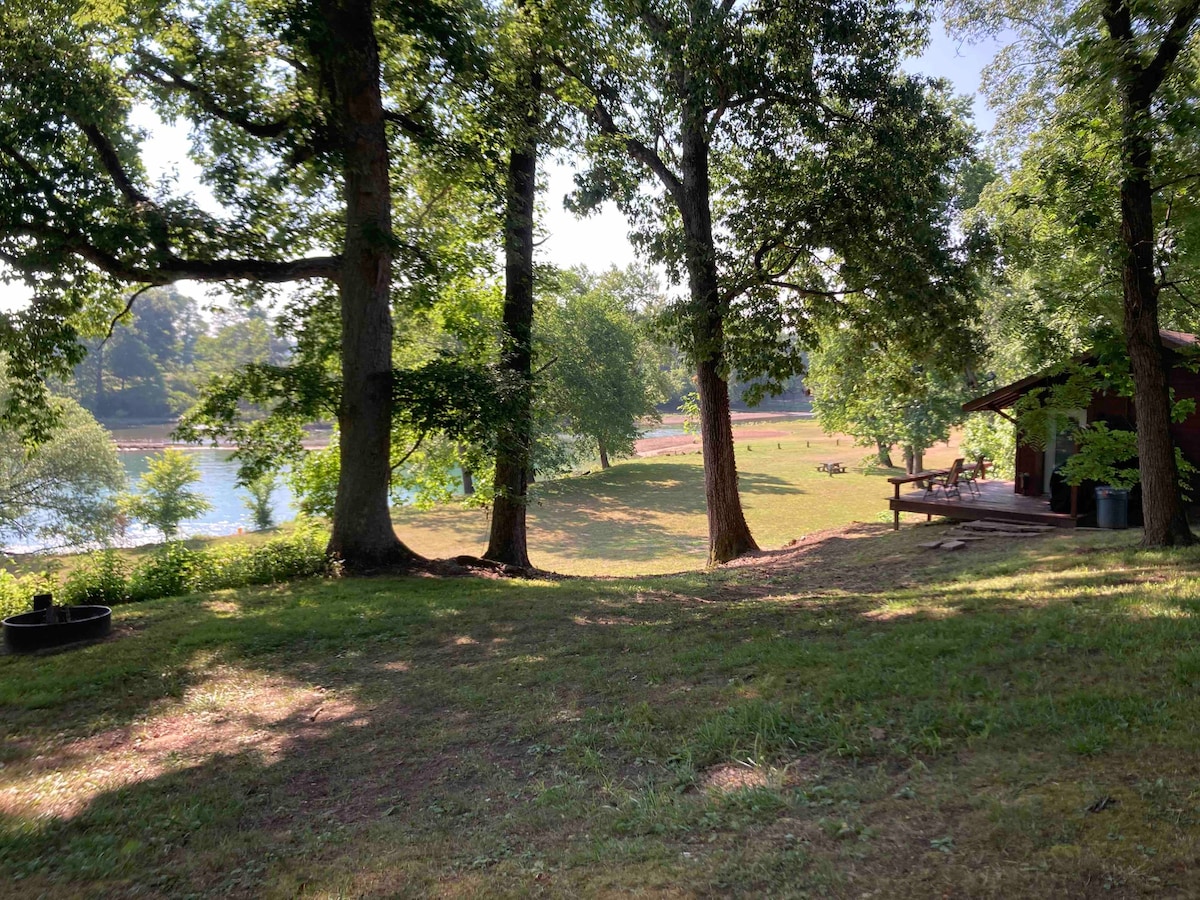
436 729
606 515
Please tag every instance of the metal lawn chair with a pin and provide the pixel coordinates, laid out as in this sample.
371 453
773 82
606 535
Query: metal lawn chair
947 482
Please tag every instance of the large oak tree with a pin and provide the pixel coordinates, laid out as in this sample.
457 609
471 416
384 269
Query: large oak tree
776 160
1100 95
296 111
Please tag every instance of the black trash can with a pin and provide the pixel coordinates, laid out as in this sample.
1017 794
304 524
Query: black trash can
1112 507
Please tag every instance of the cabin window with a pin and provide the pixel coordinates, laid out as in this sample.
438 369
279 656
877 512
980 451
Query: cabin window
1060 444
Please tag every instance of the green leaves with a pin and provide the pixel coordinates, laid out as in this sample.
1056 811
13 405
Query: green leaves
163 498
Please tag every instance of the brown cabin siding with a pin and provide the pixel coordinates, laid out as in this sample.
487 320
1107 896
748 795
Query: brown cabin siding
1187 433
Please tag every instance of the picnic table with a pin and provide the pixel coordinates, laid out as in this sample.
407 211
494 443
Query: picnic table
833 468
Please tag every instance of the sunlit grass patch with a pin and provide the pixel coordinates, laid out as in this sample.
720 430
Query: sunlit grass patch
852 719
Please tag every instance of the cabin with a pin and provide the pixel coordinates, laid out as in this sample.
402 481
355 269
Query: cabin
1037 494
1035 467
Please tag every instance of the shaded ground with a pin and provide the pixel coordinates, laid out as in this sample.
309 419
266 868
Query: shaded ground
848 717
647 515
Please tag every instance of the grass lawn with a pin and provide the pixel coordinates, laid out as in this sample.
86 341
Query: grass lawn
647 516
848 718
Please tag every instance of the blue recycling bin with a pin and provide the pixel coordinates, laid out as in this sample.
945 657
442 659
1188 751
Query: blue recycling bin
1112 507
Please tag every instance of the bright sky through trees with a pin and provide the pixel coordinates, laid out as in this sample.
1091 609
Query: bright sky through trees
599 240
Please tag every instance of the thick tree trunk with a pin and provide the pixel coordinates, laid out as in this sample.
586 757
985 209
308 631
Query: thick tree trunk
508 540
1162 505
884 455
362 533
728 534
604 463
910 459
468 482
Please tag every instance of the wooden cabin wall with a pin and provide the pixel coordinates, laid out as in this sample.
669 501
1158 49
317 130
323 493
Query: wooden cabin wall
1031 462
1187 433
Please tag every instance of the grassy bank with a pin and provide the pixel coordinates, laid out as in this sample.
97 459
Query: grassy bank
850 718
647 516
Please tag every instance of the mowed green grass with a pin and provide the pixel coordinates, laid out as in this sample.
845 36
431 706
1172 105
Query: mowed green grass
647 516
852 718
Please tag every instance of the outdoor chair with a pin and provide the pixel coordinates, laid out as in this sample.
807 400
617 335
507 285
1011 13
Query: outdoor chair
971 475
947 482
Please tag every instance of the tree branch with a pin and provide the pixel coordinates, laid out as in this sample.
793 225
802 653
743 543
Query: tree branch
603 119
128 306
112 162
160 72
174 269
1171 46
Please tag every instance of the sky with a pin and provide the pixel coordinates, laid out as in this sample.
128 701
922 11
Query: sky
598 241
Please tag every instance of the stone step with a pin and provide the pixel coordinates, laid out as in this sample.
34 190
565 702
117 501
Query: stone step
989 525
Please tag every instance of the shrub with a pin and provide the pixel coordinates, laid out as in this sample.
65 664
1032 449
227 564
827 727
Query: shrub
163 498
165 573
174 569
258 503
102 578
16 592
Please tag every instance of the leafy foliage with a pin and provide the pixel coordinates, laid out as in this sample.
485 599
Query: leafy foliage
880 394
175 569
599 376
163 498
258 502
62 490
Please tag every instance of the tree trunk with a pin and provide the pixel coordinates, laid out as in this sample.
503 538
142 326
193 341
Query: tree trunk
362 534
884 455
468 482
1162 505
508 540
909 461
918 460
728 534
604 463
98 401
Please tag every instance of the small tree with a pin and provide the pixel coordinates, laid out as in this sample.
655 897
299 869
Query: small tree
597 380
163 499
260 490
882 395
61 491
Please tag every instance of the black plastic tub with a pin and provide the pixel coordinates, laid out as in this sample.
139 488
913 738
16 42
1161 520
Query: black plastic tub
29 631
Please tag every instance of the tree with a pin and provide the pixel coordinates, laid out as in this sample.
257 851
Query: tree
596 374
290 108
1108 89
258 503
882 396
163 498
796 166
62 490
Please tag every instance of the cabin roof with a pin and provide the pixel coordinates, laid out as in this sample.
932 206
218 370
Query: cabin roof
1004 397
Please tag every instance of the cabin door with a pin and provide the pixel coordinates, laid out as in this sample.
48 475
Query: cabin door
1060 444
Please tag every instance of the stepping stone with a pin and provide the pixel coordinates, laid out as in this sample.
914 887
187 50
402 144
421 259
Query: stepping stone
953 545
1007 527
930 545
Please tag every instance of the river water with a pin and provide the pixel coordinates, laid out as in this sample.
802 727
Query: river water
218 484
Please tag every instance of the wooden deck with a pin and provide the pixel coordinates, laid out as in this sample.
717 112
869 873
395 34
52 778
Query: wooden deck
996 501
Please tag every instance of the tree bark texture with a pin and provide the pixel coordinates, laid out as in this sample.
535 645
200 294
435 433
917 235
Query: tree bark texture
604 463
508 539
362 533
728 534
885 455
1162 504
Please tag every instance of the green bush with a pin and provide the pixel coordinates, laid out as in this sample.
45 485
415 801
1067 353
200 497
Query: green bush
167 572
16 593
102 578
174 569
